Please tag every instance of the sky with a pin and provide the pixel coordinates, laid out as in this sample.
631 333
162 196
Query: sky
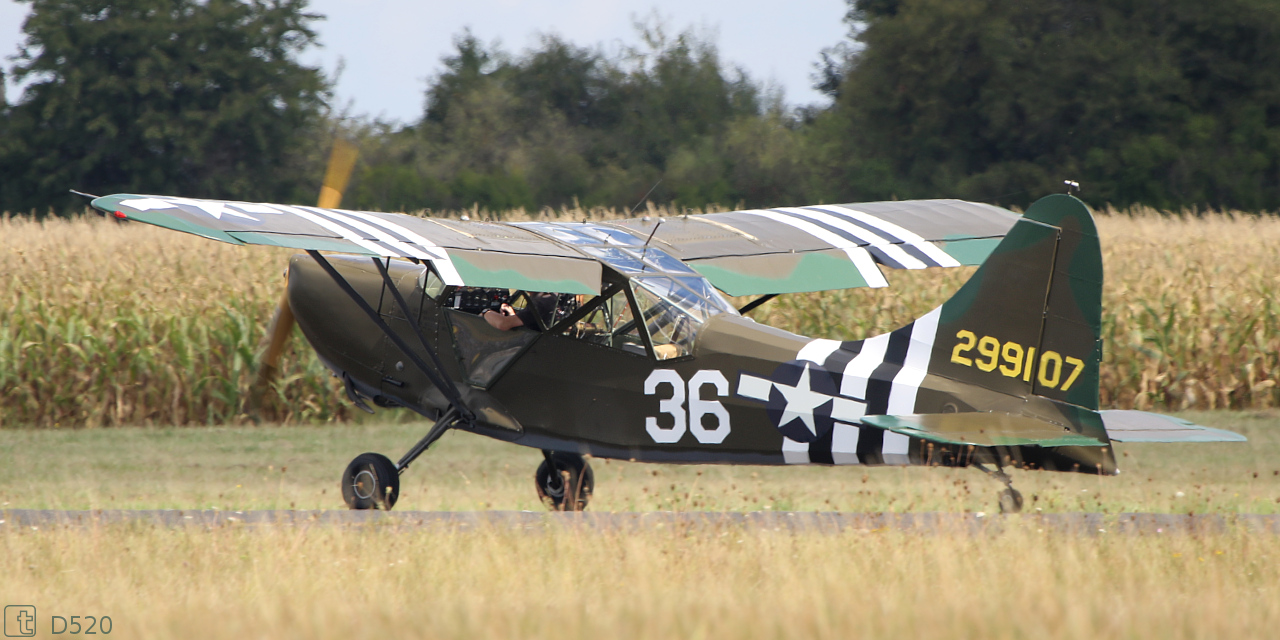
389 48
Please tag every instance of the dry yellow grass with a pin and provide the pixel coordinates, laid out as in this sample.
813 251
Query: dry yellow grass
372 582
107 324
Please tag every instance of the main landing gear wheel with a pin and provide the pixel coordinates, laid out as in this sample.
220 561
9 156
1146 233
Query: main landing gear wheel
565 481
371 481
1010 501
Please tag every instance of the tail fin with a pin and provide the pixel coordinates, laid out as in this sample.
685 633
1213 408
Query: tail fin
1029 320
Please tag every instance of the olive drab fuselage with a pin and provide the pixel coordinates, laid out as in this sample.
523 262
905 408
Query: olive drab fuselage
550 390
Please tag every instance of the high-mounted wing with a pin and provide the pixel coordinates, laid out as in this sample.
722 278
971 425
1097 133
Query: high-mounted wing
752 252
479 254
795 249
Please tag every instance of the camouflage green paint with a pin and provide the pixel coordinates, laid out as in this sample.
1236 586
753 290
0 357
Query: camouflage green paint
511 271
781 273
296 242
970 252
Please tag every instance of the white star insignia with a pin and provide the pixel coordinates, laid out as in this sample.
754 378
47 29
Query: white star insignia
147 204
801 401
214 208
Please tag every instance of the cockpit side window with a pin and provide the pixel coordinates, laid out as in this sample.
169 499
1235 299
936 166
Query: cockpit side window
611 323
431 284
673 309
671 329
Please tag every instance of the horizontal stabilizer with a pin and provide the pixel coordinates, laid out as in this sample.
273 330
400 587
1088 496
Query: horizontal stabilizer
1141 426
983 429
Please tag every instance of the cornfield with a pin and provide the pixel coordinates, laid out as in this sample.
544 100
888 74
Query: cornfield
108 324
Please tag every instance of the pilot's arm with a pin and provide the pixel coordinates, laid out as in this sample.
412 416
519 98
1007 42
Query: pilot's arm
506 319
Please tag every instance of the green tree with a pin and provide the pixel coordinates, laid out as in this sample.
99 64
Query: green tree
1172 103
564 123
199 98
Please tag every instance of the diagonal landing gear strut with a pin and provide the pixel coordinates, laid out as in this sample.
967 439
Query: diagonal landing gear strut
1010 498
371 481
447 420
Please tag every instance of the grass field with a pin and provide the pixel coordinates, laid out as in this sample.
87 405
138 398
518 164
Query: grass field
298 467
107 324
729 582
370 583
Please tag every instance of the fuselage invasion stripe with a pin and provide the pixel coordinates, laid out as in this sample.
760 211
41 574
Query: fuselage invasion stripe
902 399
818 350
854 382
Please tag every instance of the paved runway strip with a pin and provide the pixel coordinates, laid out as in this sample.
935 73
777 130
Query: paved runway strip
821 522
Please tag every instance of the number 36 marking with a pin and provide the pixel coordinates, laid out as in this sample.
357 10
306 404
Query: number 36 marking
1014 364
698 408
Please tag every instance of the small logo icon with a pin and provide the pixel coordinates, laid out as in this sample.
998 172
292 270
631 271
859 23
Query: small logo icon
19 621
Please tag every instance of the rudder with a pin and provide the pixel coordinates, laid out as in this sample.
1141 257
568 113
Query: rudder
1029 320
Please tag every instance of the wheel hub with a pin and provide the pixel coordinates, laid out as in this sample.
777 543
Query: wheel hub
365 485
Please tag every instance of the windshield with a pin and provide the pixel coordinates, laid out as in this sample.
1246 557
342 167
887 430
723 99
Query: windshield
672 300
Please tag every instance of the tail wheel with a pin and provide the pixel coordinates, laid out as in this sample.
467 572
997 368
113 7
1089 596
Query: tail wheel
564 481
1010 501
371 481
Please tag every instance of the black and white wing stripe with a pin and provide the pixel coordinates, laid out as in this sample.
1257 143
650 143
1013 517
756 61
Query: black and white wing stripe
478 254
814 248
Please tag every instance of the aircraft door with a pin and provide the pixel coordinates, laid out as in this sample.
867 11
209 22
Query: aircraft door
583 377
486 351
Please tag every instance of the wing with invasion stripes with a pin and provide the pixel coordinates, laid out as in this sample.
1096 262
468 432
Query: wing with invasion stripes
752 252
795 249
480 254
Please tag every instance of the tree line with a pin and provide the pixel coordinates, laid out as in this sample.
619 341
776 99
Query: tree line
1173 104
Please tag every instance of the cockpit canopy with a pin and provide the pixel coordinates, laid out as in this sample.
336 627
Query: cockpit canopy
654 300
672 300
674 309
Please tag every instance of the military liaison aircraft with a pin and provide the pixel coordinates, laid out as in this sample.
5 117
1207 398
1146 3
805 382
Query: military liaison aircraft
615 339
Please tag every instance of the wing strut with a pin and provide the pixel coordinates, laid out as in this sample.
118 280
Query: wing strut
751 306
450 392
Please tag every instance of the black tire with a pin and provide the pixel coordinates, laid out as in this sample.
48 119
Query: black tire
1010 501
552 487
371 482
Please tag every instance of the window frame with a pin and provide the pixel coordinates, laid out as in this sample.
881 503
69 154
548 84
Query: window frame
561 328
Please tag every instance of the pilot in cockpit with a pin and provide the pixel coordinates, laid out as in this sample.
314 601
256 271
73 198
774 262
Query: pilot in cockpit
541 305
